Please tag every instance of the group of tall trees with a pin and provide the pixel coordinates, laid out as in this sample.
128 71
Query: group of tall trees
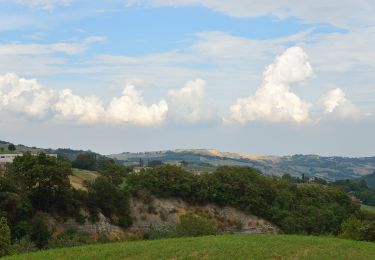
36 189
295 208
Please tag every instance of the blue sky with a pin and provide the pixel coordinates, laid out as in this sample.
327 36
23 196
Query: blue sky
240 76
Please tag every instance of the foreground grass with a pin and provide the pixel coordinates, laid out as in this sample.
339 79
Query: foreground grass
219 247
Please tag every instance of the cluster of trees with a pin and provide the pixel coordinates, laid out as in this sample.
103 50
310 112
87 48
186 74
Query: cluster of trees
36 189
295 208
11 147
357 188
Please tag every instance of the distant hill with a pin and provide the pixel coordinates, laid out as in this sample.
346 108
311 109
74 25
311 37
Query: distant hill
329 168
62 152
370 180
203 160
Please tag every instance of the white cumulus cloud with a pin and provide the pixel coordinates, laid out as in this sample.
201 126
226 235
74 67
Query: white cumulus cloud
24 96
188 104
131 108
274 101
76 108
337 105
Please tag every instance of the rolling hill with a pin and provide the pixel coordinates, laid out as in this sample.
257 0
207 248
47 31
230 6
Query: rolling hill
370 180
203 160
218 247
329 168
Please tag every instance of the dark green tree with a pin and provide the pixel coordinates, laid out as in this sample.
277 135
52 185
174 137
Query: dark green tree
43 179
11 147
86 161
4 237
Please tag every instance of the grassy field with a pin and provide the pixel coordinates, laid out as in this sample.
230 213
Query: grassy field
368 208
219 247
80 176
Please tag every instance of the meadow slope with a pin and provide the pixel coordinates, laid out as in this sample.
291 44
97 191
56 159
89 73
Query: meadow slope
219 247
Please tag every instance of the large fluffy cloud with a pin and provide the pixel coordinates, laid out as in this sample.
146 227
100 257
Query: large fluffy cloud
23 96
131 108
337 105
76 108
188 104
26 97
274 100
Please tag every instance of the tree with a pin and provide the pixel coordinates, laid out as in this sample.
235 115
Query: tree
113 171
43 179
4 237
110 199
155 163
351 228
40 231
11 147
86 161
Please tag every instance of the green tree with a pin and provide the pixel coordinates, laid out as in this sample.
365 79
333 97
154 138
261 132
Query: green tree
4 237
43 179
40 231
351 228
113 171
86 161
110 199
11 147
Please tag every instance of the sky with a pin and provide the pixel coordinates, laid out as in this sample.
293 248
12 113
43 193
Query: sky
258 77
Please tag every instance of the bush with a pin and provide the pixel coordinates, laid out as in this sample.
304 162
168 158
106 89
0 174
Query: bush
24 245
167 231
69 238
4 237
40 230
192 226
351 228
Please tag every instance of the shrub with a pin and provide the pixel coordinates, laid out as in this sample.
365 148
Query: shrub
69 238
40 231
351 228
193 225
4 237
167 231
24 245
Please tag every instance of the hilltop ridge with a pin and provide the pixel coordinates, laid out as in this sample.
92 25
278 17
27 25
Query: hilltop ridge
330 168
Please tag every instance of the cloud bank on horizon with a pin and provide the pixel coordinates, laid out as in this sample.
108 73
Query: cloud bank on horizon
274 100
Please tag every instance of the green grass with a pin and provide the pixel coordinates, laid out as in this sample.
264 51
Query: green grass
219 247
368 208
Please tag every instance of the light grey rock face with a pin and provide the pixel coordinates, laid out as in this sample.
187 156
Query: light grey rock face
159 213
103 225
